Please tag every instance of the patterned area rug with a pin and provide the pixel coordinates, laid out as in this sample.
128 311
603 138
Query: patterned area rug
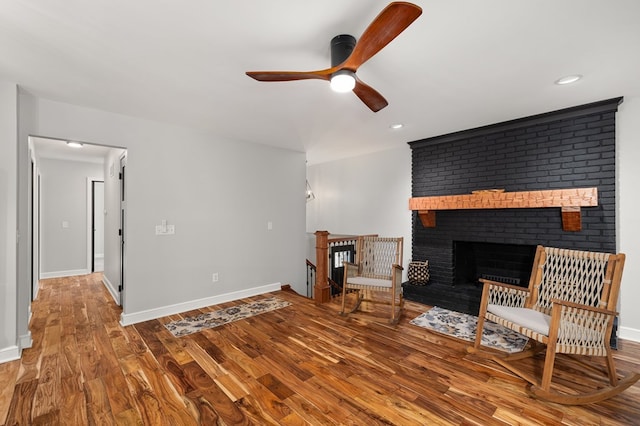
190 325
463 326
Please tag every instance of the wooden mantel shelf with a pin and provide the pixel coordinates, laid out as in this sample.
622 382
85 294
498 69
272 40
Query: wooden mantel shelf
569 200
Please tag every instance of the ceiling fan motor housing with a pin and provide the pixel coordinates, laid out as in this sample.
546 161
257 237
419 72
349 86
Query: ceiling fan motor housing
341 48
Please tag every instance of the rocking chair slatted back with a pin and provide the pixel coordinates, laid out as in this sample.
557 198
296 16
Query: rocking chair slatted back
377 256
573 276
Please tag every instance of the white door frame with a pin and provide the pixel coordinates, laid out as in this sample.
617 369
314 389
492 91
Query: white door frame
90 253
123 229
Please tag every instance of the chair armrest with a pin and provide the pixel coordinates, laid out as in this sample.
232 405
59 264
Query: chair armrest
396 278
580 307
505 294
396 273
502 285
577 328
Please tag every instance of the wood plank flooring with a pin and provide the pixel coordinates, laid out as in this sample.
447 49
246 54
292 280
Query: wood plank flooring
302 364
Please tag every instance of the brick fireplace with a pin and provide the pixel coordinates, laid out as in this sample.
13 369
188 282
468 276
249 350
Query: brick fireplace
569 148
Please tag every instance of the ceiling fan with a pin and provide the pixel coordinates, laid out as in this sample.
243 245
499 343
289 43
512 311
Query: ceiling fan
347 55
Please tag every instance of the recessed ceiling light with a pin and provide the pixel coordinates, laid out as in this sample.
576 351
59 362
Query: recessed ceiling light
568 79
396 126
74 144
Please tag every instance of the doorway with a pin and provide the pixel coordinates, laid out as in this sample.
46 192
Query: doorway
90 218
340 253
34 218
97 225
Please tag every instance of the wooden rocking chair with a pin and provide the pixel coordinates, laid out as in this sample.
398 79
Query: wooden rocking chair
377 269
569 307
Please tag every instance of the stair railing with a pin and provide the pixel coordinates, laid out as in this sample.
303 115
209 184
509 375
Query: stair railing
324 242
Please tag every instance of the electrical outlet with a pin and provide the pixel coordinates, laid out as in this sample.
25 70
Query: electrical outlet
214 277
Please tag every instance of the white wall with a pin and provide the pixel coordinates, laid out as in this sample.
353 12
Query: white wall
64 199
628 220
27 122
363 195
8 199
218 194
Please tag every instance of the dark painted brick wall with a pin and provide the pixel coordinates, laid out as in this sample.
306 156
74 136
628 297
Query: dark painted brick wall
572 148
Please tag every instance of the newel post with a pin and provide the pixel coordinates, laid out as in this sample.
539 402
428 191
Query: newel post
321 291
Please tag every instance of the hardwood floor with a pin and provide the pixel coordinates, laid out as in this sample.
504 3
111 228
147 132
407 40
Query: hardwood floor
302 364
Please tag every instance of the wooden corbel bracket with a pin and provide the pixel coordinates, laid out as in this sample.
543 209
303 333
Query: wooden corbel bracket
570 202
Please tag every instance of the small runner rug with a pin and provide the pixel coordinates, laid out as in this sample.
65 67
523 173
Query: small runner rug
463 326
190 325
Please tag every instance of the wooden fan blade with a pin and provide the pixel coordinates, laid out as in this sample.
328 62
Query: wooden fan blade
393 20
291 75
371 98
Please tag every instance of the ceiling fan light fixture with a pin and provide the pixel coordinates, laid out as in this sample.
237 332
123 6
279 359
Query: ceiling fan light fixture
347 55
343 81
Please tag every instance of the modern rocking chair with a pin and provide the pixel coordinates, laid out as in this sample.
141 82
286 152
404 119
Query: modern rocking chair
378 268
569 307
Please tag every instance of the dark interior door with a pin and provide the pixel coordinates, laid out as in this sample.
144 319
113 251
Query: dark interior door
339 255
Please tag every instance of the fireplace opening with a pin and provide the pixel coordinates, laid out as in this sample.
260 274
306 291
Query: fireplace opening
507 263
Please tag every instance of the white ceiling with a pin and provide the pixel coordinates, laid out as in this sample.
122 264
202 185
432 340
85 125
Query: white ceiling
58 149
462 64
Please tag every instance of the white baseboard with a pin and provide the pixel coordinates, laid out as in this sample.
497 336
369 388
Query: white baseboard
10 353
25 341
136 317
111 289
628 333
58 274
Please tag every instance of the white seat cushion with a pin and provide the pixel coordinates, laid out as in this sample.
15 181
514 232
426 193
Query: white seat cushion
376 282
527 318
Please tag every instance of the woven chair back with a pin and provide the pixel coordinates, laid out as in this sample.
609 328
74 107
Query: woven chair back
573 276
377 256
